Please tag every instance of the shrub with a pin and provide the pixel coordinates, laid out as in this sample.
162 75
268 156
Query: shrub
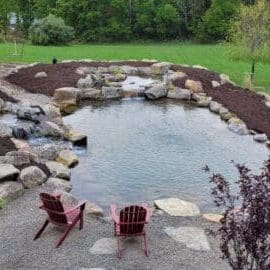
245 228
215 25
50 30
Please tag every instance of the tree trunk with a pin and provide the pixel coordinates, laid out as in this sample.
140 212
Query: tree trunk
252 70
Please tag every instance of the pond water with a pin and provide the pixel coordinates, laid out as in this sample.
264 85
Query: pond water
140 151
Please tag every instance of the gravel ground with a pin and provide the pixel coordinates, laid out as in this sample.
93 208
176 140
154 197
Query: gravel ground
21 219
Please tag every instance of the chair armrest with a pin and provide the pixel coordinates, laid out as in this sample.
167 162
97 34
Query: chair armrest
79 205
149 212
57 195
113 214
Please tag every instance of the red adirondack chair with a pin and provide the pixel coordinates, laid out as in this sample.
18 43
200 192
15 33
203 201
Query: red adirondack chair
60 215
130 223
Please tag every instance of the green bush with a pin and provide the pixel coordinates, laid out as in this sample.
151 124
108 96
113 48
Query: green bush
215 24
50 30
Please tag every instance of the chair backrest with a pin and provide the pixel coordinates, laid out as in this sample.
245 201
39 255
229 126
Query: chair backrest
53 206
132 219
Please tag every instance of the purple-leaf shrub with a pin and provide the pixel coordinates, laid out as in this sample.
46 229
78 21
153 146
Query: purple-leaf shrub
244 233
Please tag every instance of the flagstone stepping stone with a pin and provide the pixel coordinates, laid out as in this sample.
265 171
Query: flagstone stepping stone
193 237
178 208
104 246
212 217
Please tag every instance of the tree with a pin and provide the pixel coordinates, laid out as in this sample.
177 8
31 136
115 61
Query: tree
50 30
215 24
5 13
245 228
167 21
250 34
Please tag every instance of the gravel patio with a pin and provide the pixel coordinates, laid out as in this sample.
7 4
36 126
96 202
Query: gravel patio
22 217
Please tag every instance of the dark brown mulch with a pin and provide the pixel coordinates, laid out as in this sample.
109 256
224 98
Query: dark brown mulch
5 97
43 167
59 75
247 105
6 145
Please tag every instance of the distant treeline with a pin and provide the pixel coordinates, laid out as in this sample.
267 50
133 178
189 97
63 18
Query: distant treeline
124 20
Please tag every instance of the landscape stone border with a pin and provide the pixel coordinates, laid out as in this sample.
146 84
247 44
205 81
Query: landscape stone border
100 83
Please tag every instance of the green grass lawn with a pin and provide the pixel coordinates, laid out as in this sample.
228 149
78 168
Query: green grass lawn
212 56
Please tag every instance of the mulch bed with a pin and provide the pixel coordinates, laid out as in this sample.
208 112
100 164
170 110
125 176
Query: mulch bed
247 105
59 75
6 145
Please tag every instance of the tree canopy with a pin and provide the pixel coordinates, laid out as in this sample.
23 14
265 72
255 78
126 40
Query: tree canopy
124 20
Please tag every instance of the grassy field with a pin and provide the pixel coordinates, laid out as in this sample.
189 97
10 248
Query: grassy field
212 56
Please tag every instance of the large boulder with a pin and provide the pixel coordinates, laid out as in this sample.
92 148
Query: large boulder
41 74
90 93
5 131
87 82
90 208
11 190
49 151
32 176
129 70
59 184
237 126
66 98
76 137
194 86
144 71
50 129
58 170
8 172
156 91
224 78
260 137
86 70
160 68
225 114
30 113
201 99
51 111
173 76
215 106
19 158
179 93
21 145
67 158
112 92
215 84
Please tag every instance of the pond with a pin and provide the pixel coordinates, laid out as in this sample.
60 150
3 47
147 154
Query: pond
140 151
